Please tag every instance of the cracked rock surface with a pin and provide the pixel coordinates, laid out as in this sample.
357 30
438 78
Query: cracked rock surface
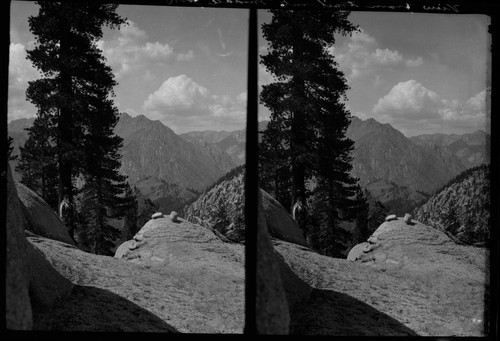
180 277
413 280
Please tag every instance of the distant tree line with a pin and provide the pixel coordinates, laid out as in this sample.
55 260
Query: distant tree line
465 174
72 152
462 207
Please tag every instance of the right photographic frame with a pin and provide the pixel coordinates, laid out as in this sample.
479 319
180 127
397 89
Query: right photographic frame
375 171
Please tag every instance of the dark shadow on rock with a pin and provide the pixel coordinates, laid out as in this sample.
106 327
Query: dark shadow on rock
328 312
94 309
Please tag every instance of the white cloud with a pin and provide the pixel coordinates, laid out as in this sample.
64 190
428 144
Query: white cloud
478 103
362 56
242 98
362 38
20 69
179 96
130 33
414 62
183 104
362 115
131 52
264 76
410 105
386 57
409 99
20 72
184 57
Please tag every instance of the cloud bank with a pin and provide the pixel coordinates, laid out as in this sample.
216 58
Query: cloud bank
361 57
20 73
413 108
183 104
131 52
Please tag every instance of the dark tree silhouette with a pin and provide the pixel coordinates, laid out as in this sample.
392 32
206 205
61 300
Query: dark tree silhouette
75 107
10 149
38 163
304 150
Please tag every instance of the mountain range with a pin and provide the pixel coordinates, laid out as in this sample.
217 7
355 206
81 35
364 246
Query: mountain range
472 149
153 150
400 172
232 143
165 167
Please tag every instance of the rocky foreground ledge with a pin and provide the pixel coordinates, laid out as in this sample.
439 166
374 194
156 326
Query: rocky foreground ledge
408 280
181 278
175 276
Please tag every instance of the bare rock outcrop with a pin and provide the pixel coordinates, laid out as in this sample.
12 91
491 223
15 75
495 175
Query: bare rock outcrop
41 219
413 274
204 277
33 286
178 278
173 277
18 314
357 251
279 222
273 316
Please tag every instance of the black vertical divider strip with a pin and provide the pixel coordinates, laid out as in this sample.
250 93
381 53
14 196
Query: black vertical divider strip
251 178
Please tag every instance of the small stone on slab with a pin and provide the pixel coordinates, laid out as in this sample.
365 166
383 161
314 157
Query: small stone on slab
367 248
372 240
138 237
391 217
407 218
174 216
132 245
157 215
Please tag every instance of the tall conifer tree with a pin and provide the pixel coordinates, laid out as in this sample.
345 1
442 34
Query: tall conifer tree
10 149
73 67
74 102
104 186
37 162
307 141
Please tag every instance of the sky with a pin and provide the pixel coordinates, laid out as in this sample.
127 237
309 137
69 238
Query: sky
186 67
421 73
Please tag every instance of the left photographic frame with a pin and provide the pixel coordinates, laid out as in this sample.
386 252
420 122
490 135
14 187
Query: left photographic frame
133 118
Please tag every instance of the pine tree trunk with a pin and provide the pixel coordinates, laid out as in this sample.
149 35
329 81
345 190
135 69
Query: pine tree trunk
298 125
65 128
65 125
100 218
44 190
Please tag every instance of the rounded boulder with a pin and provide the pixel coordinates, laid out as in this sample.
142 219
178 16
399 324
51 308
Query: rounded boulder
41 219
279 222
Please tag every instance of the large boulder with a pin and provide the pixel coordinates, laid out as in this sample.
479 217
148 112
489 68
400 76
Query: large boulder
279 222
18 313
178 277
47 285
41 219
412 281
273 316
32 284
357 251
